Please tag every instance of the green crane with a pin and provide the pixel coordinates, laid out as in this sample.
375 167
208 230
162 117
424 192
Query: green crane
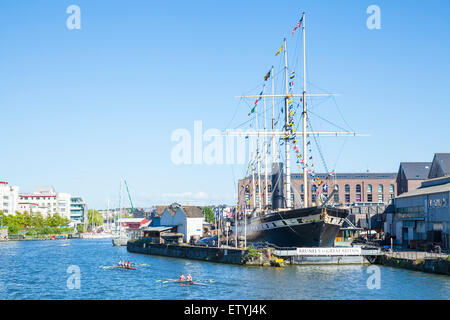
129 196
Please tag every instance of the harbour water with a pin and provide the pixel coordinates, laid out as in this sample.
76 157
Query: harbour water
39 270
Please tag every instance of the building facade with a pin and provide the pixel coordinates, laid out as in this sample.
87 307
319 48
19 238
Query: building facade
352 188
9 197
78 210
422 215
46 201
188 220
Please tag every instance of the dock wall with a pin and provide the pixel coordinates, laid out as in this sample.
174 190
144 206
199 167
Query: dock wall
439 266
212 254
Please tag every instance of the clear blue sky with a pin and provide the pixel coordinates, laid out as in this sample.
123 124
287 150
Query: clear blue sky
81 108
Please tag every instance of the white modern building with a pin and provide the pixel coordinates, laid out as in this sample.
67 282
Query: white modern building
9 197
188 220
46 201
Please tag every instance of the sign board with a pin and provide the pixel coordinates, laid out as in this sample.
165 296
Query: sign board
354 251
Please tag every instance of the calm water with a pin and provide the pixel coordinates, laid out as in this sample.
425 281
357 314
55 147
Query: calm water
38 270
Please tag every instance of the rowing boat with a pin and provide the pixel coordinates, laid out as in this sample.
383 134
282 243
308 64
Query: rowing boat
184 282
122 267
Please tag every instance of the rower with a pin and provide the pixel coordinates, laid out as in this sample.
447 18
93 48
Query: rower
182 278
120 262
189 278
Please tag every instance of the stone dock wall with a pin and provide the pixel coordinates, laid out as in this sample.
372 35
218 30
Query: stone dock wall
212 254
438 266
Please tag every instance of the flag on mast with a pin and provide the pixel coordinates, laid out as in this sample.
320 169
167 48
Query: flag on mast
267 75
297 25
279 50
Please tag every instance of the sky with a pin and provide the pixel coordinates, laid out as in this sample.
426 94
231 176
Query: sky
82 108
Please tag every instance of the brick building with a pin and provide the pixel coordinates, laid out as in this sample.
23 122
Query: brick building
352 188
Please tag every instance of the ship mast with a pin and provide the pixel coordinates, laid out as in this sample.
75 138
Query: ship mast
258 163
273 118
287 140
286 134
266 197
304 115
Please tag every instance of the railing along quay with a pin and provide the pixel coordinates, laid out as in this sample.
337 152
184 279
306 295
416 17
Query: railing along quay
415 255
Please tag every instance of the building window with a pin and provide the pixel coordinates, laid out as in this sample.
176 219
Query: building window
347 198
369 188
358 188
302 189
369 197
380 197
347 188
358 197
314 189
336 197
336 187
380 188
391 188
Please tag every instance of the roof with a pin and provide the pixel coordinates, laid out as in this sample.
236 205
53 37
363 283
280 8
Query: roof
158 229
159 210
172 209
189 211
132 220
192 212
426 190
443 159
415 170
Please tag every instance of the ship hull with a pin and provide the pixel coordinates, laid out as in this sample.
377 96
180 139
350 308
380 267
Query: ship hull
308 227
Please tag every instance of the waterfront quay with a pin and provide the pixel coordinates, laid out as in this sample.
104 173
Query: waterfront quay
417 261
271 257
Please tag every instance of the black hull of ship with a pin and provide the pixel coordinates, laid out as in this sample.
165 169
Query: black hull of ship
287 234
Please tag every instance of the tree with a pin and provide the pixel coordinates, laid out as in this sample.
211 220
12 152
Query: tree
95 219
208 214
80 228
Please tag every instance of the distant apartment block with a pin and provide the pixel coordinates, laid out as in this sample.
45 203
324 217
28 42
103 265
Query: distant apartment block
9 197
78 210
47 201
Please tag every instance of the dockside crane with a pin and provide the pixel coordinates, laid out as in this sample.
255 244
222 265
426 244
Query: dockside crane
129 196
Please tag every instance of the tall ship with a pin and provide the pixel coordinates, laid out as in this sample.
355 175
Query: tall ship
312 221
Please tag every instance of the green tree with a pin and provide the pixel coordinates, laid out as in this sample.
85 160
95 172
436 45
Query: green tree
80 228
95 219
37 220
208 214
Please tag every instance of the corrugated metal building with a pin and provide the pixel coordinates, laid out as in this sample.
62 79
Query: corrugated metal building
422 215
